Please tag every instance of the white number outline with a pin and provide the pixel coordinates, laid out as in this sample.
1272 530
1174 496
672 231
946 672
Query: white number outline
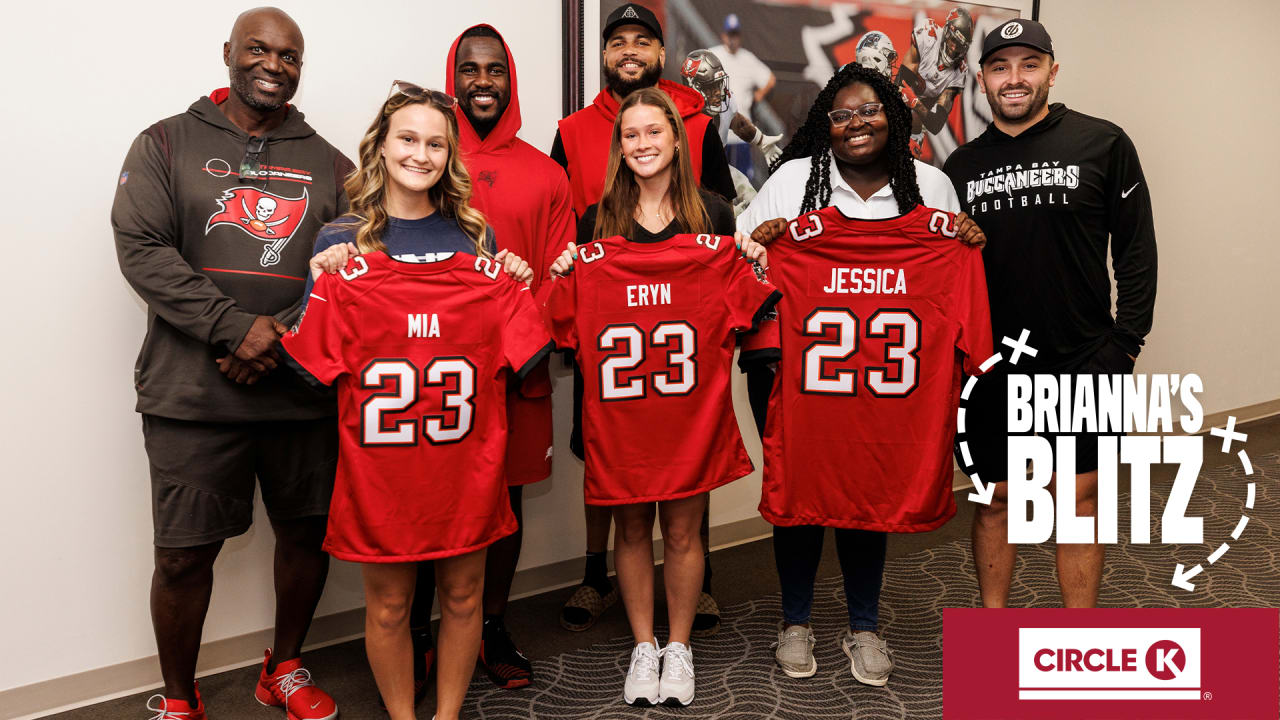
820 351
361 267
813 227
903 353
435 428
686 356
608 339
373 430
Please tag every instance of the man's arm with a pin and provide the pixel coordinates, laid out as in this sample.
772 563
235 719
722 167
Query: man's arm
935 118
557 153
764 79
1133 245
715 167
146 231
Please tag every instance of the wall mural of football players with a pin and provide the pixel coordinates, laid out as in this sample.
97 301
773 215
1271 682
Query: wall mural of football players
703 71
924 46
933 72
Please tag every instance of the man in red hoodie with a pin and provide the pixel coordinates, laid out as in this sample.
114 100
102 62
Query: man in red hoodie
525 197
633 58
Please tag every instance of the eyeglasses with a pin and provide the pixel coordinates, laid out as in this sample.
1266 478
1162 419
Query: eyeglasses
444 100
867 112
251 163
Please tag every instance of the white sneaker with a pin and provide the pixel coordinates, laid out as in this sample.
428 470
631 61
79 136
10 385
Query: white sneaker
641 687
676 685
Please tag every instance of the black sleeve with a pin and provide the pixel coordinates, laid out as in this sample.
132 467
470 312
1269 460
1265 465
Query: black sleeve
557 153
575 432
720 212
586 227
759 386
715 166
1133 245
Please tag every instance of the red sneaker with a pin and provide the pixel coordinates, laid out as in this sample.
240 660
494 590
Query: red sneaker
422 666
291 688
169 709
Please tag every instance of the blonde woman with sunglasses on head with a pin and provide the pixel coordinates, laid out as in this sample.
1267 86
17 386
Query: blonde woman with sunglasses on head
410 199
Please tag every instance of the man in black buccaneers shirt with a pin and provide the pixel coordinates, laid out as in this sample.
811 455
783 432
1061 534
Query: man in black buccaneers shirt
1049 186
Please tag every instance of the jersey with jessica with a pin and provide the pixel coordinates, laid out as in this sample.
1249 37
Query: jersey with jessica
877 321
421 353
653 327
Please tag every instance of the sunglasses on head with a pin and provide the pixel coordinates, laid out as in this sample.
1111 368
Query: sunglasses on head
444 101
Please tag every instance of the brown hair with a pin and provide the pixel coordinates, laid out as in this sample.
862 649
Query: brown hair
366 187
615 213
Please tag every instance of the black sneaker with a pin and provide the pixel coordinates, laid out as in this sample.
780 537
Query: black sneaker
504 663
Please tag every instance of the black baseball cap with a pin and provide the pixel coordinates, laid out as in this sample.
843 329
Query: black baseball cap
1027 33
632 14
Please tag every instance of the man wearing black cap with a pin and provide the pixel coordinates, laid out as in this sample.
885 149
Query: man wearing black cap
633 58
1050 186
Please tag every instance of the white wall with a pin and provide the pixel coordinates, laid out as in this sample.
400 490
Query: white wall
1192 84
75 526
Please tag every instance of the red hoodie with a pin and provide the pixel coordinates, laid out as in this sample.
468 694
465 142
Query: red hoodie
587 133
525 197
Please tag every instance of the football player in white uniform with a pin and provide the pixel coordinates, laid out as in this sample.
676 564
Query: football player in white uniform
875 51
933 72
704 72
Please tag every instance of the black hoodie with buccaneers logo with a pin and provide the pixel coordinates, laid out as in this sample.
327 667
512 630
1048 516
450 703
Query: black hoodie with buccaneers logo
209 250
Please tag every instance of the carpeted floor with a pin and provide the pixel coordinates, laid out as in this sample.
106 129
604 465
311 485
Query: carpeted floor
580 675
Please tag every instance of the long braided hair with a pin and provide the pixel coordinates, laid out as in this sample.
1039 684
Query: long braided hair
813 140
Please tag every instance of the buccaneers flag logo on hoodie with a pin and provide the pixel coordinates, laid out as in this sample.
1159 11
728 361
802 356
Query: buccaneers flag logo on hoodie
265 216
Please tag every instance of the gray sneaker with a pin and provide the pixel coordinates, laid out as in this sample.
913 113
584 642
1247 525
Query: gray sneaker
870 659
795 652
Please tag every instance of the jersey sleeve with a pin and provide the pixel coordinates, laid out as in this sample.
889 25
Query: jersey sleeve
525 341
558 303
748 295
314 347
971 309
763 346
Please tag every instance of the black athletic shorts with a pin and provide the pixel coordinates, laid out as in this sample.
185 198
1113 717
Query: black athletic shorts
202 474
986 417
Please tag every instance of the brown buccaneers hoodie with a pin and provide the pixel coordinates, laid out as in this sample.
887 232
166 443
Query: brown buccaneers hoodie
209 250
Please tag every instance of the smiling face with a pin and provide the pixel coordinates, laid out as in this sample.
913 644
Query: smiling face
861 141
648 141
1016 81
633 58
264 59
482 80
415 152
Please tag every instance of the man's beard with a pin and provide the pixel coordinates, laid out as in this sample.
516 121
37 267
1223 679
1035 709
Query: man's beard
1039 98
242 86
622 87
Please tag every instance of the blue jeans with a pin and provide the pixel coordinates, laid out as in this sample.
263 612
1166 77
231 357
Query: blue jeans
797 551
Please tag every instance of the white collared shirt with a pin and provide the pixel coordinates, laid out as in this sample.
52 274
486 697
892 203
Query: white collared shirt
782 193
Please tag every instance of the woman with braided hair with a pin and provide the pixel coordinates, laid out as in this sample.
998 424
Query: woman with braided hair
852 152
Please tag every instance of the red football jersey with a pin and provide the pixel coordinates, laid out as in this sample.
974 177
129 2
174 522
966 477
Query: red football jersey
877 321
421 353
653 327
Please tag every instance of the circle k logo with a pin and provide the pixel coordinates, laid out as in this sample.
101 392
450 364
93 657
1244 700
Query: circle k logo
1165 659
1108 663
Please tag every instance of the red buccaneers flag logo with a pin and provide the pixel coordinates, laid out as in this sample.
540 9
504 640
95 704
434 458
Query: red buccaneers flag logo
265 216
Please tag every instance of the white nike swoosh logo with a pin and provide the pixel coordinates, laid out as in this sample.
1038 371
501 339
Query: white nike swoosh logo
1125 194
317 704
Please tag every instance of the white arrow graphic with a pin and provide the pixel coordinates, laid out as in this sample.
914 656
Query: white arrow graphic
1181 576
